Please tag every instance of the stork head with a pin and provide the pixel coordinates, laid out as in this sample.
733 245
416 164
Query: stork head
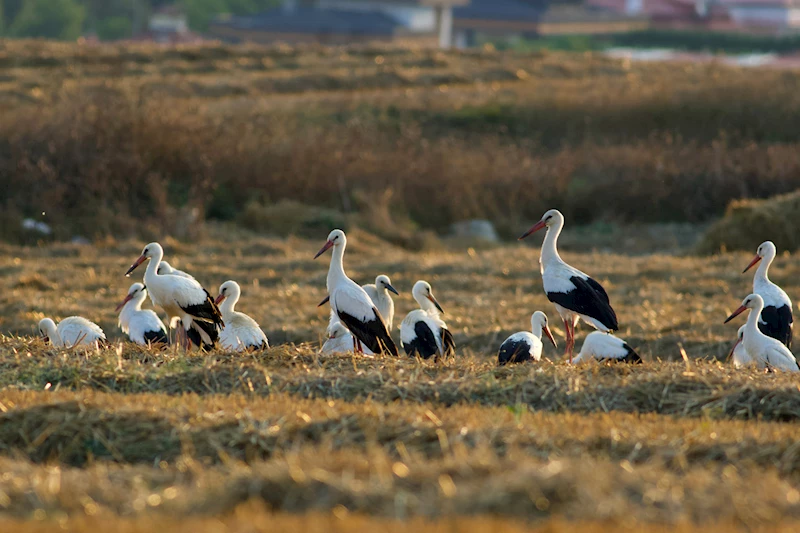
335 238
164 269
766 251
551 218
423 294
539 322
229 289
336 331
383 282
150 251
754 301
135 290
47 328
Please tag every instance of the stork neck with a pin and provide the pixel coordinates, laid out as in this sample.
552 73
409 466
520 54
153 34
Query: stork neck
55 338
130 308
336 270
751 328
227 305
536 330
762 272
152 266
549 245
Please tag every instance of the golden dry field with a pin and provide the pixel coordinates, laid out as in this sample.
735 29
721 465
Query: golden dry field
133 440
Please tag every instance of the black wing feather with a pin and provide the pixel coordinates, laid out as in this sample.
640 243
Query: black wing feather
196 337
372 334
588 298
424 345
206 317
777 323
513 352
156 337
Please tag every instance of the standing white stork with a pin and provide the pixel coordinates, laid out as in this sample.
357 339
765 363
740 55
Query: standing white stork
165 269
575 295
340 340
526 345
606 347
142 326
776 318
379 294
240 332
423 333
739 353
72 331
352 304
766 351
181 297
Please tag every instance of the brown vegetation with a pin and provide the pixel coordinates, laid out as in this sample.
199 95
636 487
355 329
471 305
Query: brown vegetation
135 140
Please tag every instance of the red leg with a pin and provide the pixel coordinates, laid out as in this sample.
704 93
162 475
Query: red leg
571 340
360 348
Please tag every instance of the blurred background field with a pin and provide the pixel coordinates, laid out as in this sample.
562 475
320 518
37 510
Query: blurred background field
138 141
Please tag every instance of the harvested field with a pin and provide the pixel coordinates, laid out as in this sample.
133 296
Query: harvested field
134 439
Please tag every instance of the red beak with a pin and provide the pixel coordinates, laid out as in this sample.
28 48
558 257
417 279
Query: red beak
127 299
219 299
322 250
736 313
550 336
136 264
536 227
434 302
323 302
733 348
755 260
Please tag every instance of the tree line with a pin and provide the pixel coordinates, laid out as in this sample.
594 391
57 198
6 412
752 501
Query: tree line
108 19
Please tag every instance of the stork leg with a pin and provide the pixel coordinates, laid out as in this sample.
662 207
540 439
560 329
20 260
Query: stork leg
568 334
360 348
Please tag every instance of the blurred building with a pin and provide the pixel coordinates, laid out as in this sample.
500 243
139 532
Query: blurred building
168 24
444 22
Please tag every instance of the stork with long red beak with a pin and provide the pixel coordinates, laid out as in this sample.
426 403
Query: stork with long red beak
423 332
766 352
181 297
352 304
575 295
142 326
526 345
776 318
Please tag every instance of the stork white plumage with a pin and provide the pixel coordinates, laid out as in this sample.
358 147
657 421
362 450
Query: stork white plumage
765 351
776 317
142 326
165 269
73 331
423 333
181 297
379 294
241 332
606 347
340 340
526 345
352 304
739 353
575 295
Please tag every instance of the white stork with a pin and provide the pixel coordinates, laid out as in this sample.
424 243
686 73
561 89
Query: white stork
776 318
526 345
606 347
767 352
379 294
165 269
739 353
240 332
575 295
181 297
142 326
72 331
340 340
423 333
352 304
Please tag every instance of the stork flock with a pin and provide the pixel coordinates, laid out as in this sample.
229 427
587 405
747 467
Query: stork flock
361 317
